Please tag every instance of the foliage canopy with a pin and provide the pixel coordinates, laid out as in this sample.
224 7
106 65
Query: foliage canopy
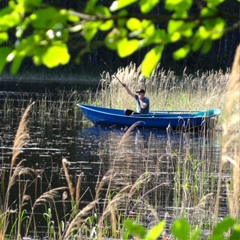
34 29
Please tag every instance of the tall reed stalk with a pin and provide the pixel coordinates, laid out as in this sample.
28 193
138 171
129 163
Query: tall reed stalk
231 140
20 140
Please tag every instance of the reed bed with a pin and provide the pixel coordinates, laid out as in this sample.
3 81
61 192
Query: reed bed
61 105
177 181
166 90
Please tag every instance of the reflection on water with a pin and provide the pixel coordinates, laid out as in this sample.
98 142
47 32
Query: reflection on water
167 174
181 167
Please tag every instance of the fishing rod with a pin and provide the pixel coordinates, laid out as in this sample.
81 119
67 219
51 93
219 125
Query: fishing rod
111 71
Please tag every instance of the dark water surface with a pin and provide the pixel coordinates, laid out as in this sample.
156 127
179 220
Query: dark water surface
177 163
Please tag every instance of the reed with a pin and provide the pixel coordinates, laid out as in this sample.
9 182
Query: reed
166 90
231 140
20 140
133 190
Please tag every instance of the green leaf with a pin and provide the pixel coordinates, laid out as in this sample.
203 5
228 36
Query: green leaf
104 12
3 37
28 45
134 24
126 47
218 29
105 26
216 237
183 28
9 19
155 232
224 226
47 18
5 11
134 229
213 3
174 26
196 42
175 37
207 12
214 25
151 60
17 62
128 223
113 38
72 17
235 234
188 32
37 58
148 29
4 52
147 5
56 55
178 5
195 234
207 45
90 8
181 52
203 33
181 229
30 4
121 22
160 36
119 4
90 30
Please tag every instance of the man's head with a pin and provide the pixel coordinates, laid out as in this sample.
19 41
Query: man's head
141 93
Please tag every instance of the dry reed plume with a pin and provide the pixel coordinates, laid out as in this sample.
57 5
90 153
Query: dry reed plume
126 135
76 223
69 181
20 140
231 139
21 136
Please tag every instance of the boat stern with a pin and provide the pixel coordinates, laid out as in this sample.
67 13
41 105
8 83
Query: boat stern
211 118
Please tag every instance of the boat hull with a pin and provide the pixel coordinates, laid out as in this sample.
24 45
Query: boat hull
159 119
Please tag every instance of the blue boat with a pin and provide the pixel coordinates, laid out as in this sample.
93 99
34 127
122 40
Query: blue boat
110 117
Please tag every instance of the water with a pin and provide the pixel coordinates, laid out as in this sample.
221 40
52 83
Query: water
163 173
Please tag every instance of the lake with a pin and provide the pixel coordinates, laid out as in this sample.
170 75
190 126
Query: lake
163 174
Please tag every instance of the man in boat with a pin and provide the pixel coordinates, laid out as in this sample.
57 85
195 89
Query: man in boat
143 103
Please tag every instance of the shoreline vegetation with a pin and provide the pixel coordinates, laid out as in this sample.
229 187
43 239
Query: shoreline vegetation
196 196
165 90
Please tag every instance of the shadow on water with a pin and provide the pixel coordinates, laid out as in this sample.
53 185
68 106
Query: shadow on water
167 172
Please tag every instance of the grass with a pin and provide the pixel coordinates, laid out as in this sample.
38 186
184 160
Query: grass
141 182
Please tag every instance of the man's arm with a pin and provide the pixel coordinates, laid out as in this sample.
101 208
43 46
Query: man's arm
128 90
